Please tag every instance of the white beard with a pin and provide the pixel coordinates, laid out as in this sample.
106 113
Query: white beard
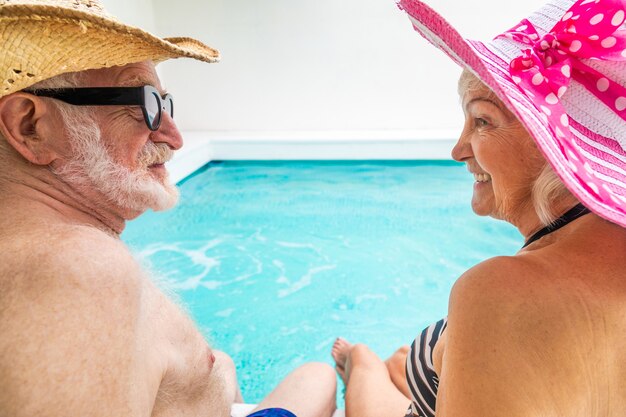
91 167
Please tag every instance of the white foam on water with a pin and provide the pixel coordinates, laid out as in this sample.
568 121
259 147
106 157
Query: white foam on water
288 331
258 269
258 236
304 281
324 344
282 277
225 313
197 257
295 245
210 285
238 344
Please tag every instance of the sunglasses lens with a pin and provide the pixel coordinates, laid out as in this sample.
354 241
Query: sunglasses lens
153 108
169 105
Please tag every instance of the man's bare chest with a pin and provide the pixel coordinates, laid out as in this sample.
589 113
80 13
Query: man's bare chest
179 354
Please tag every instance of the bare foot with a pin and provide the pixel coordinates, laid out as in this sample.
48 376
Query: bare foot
339 352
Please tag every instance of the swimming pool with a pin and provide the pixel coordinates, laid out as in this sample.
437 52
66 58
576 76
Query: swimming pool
275 259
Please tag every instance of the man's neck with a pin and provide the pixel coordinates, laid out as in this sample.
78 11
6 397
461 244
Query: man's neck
39 189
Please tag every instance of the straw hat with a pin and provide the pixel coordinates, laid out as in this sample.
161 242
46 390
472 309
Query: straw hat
43 38
562 72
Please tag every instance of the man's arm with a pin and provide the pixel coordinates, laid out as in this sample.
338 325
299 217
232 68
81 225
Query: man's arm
70 341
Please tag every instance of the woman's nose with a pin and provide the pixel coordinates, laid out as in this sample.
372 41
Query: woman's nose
462 149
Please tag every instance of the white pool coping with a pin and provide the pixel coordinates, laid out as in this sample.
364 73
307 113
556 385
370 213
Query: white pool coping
202 147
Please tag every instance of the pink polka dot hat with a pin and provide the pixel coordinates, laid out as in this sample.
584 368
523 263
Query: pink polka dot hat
562 72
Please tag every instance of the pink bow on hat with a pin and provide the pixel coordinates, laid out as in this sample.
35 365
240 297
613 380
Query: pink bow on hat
588 30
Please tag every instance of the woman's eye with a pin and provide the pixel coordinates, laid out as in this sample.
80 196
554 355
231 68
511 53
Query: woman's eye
480 122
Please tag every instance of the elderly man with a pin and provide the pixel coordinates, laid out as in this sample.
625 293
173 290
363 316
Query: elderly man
85 130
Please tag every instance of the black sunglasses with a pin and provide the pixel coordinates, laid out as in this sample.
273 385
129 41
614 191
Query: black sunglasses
147 97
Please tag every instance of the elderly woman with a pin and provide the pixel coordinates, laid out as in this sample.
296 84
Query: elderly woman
542 332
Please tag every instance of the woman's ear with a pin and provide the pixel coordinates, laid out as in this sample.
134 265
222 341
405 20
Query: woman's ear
20 113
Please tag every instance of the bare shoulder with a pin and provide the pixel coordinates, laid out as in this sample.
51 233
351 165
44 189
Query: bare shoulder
495 299
69 307
75 267
516 330
496 282
527 301
66 255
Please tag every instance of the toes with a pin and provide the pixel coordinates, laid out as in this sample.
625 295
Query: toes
340 350
341 345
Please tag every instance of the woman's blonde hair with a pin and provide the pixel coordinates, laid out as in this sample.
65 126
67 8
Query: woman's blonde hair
547 188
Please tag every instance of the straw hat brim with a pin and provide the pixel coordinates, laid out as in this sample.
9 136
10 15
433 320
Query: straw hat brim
493 72
42 41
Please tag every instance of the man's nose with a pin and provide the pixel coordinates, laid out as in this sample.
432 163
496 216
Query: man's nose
168 133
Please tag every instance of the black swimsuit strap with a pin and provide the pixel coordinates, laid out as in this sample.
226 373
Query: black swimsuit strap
575 212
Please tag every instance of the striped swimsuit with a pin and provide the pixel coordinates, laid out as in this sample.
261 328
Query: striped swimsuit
420 374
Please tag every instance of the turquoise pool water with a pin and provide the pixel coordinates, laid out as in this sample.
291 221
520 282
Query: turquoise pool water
275 259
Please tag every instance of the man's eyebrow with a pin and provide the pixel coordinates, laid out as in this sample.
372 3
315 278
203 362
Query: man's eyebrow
139 81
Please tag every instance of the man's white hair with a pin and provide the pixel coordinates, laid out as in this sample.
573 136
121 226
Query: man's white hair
92 167
73 79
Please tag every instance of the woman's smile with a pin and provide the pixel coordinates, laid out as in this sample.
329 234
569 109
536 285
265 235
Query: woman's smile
482 177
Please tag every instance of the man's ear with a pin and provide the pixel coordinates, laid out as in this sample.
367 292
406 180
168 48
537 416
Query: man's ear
20 114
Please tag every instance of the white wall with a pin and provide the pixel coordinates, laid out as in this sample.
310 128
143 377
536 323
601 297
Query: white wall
133 12
321 65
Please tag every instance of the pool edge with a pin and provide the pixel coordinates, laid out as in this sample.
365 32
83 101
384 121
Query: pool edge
202 147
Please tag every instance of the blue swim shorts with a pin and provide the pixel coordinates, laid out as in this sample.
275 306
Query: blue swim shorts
273 412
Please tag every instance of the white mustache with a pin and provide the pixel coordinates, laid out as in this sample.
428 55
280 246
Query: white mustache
155 153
